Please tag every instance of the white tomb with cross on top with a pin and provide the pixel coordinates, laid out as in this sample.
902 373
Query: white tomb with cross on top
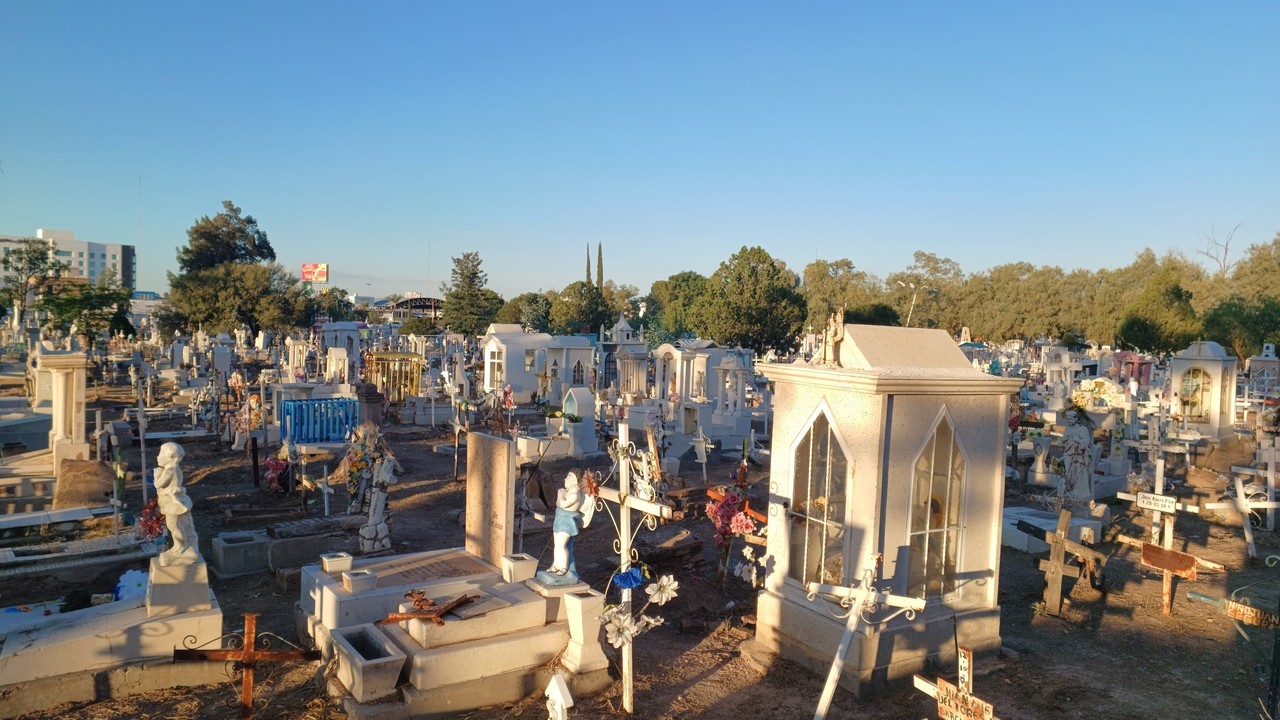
894 447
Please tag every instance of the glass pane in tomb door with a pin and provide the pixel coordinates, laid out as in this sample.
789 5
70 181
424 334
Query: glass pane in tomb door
800 566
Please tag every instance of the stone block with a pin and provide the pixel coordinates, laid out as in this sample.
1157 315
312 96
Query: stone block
335 562
556 610
438 667
369 664
518 567
239 553
83 483
103 636
500 610
359 581
177 589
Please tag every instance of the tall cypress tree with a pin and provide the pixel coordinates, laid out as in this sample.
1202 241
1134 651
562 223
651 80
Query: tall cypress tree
588 263
600 266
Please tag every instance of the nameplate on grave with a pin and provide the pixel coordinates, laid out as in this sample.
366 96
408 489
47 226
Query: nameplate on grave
1159 503
956 704
408 571
1179 563
1250 615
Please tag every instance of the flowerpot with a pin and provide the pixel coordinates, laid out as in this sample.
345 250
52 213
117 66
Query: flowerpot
369 664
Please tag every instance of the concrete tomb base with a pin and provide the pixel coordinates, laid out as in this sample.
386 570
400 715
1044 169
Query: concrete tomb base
497 648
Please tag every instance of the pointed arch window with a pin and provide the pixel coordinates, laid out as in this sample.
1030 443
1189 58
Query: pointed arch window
1195 394
579 375
820 483
938 476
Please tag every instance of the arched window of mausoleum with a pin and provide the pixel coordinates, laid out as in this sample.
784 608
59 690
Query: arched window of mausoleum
1195 392
937 491
820 485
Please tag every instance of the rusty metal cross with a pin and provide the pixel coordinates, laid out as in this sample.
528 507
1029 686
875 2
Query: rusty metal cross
247 655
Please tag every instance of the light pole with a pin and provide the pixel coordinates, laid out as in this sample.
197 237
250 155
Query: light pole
915 291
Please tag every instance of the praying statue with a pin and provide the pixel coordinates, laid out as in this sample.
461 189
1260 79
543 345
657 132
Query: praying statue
1077 457
573 505
174 502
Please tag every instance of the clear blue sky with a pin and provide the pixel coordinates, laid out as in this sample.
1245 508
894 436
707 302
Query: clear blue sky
386 138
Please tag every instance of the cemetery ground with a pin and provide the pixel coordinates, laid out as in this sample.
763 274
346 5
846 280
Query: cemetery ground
1110 654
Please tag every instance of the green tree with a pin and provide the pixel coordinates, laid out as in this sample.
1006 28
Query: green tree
89 307
531 310
621 300
752 301
224 238
873 314
418 326
1242 325
1257 275
670 304
830 285
226 296
579 308
469 307
1161 320
334 303
29 272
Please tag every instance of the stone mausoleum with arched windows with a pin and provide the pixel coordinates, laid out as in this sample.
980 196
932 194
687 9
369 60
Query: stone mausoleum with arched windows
894 446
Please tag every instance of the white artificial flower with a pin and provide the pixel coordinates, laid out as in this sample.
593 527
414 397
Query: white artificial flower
749 553
620 628
663 590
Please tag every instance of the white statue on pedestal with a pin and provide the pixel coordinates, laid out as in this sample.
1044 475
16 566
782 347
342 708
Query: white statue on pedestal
1078 455
176 506
573 504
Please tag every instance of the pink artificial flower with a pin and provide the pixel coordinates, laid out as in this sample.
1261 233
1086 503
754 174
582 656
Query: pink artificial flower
742 524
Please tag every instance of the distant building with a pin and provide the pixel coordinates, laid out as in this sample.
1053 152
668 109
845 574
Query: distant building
86 260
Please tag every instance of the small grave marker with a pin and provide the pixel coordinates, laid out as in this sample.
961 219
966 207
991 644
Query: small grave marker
1162 556
248 654
957 702
1056 567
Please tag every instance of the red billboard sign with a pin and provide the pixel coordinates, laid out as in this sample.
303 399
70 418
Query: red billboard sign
315 272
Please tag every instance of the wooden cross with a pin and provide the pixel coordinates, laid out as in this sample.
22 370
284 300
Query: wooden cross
1152 445
247 655
627 502
1245 506
957 702
856 598
1250 615
426 609
1163 557
1056 567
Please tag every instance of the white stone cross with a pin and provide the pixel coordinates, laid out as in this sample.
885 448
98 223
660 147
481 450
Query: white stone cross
856 598
957 702
624 450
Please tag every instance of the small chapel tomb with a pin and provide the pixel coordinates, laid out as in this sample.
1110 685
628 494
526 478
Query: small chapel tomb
890 444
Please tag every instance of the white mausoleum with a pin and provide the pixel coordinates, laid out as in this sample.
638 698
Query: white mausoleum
896 448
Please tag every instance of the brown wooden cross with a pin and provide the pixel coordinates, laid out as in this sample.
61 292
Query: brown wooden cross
426 609
957 702
1163 557
247 655
1057 567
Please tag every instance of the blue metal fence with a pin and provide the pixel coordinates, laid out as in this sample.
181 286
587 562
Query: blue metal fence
326 420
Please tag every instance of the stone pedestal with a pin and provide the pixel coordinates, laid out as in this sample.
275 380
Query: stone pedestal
584 654
177 589
556 607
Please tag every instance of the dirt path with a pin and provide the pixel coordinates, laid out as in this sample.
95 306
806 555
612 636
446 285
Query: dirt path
1111 655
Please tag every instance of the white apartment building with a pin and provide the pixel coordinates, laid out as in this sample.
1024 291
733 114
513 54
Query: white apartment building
88 260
